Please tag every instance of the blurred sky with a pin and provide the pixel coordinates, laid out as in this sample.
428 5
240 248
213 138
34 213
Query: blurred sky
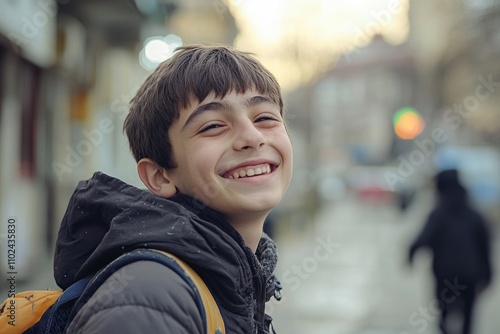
294 37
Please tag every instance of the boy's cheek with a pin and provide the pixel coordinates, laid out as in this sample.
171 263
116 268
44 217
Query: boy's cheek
204 192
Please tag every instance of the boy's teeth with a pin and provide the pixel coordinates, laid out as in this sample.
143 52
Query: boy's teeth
250 172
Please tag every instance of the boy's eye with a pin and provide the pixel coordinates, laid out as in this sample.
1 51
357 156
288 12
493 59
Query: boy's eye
266 117
210 127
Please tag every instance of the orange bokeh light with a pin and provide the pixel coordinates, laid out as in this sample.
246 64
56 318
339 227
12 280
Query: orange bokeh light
409 124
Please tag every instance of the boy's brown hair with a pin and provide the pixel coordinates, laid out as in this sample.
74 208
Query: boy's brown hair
190 75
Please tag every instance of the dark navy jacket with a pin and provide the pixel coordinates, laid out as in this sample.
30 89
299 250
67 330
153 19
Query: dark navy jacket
107 217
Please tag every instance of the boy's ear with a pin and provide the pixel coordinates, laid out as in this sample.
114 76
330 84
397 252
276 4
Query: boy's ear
155 178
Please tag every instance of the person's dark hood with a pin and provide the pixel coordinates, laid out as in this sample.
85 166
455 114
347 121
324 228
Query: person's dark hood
451 191
107 217
447 181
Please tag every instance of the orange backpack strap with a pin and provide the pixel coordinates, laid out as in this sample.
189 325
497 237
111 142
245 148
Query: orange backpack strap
215 323
22 311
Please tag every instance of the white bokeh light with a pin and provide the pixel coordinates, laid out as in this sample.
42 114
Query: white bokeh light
158 49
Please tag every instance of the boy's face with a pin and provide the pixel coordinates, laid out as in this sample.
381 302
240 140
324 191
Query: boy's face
233 154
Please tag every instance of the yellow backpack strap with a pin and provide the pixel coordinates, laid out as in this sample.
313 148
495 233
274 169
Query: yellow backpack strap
25 309
215 323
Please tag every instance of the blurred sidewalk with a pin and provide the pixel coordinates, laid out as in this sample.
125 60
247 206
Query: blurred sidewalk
364 285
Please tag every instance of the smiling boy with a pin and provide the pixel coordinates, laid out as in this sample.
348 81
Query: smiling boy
208 133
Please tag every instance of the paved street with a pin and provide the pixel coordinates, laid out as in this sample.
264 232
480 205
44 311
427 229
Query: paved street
348 275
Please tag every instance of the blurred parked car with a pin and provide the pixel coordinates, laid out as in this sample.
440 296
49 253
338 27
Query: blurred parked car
370 183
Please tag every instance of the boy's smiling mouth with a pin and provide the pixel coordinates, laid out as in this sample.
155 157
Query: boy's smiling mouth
249 171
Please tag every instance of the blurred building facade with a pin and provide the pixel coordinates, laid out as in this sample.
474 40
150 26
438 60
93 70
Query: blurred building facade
447 70
457 48
68 70
354 102
457 53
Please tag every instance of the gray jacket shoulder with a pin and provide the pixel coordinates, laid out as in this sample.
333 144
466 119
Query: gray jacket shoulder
142 297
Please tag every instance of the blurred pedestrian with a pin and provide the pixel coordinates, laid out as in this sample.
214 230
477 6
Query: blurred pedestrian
458 236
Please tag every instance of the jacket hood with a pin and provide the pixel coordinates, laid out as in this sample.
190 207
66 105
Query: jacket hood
107 217
451 191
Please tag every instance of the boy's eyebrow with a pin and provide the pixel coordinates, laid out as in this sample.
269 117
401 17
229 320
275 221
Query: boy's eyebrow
258 99
225 106
219 105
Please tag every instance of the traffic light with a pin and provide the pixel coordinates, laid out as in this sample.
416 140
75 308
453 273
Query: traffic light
408 123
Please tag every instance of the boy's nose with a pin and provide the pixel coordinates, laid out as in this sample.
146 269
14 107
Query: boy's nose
247 137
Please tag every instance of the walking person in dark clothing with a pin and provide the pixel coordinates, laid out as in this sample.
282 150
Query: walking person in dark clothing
459 239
